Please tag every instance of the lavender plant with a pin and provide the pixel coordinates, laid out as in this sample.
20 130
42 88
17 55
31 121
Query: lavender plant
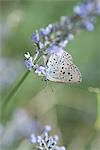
44 142
54 38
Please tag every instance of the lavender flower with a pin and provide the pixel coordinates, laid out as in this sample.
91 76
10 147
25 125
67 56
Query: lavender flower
35 37
40 70
60 148
70 36
89 26
17 128
80 10
28 61
44 142
54 49
98 7
84 9
65 22
32 139
46 31
47 128
63 43
41 45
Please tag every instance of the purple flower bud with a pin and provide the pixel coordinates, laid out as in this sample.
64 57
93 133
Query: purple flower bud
54 49
40 70
46 31
41 45
80 10
89 6
51 28
63 43
38 139
60 148
32 139
43 32
89 26
70 36
55 137
64 20
47 128
28 61
98 8
35 37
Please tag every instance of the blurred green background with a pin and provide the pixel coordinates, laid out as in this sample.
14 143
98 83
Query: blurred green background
71 109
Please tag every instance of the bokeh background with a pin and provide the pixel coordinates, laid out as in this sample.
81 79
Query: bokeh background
71 109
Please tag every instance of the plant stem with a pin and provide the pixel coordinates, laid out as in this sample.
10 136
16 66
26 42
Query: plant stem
14 90
96 128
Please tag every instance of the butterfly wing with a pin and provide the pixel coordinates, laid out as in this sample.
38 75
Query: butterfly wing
66 55
60 68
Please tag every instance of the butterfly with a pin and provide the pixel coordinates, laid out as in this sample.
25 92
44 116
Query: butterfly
60 68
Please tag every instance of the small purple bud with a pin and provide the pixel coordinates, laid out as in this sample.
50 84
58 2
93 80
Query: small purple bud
89 6
41 45
51 28
63 43
61 148
43 32
38 139
80 10
64 20
40 70
35 37
89 26
47 128
98 8
32 139
28 61
46 31
28 64
70 36
55 137
54 49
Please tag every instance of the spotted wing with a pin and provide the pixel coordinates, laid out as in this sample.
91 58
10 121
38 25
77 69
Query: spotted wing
61 69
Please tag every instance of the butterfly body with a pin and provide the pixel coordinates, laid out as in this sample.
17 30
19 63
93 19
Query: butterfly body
60 68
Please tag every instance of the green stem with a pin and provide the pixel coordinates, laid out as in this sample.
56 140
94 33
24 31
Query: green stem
96 128
11 94
14 90
98 105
